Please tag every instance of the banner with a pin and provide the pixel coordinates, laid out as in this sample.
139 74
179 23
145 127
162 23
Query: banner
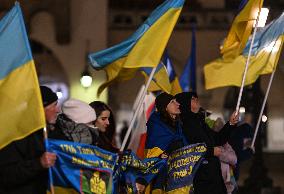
82 167
182 166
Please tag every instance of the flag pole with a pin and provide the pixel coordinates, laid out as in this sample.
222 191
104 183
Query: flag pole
247 64
137 101
138 97
262 109
137 109
49 169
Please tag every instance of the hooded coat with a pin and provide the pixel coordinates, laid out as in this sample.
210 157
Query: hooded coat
208 178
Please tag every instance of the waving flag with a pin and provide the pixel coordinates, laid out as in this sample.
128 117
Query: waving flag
160 80
265 55
21 109
241 28
143 49
188 77
175 86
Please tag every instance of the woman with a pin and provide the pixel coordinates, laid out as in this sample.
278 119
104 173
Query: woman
75 123
105 124
164 133
208 178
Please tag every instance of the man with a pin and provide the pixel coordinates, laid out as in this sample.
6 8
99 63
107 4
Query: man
24 163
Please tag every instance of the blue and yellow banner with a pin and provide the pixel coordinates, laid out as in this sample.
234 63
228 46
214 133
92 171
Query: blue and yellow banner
21 108
143 49
132 168
182 166
82 168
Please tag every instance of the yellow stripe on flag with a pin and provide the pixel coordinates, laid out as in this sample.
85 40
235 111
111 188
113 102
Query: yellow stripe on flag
21 106
241 29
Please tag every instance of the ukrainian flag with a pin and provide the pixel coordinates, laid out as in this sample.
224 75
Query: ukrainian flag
175 85
143 49
265 55
241 28
21 109
160 80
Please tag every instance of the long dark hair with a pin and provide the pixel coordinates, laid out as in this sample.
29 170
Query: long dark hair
99 107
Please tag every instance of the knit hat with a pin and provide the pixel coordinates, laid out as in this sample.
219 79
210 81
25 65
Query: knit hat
78 111
48 96
162 101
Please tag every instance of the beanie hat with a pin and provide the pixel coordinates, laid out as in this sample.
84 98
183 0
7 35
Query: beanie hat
48 96
78 111
162 101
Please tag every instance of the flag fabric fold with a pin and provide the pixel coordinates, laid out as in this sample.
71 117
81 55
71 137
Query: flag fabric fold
160 80
20 103
175 85
188 77
265 55
143 49
241 28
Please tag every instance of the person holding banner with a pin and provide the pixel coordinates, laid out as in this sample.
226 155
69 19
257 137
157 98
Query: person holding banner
164 134
24 162
208 178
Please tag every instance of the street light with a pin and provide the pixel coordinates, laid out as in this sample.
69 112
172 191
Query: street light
86 78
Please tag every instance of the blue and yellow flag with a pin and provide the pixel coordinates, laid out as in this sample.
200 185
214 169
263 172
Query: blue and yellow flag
175 85
82 168
241 28
160 80
143 49
160 136
21 109
265 55
187 79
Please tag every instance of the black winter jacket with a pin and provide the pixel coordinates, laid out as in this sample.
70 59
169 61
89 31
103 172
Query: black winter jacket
208 178
21 171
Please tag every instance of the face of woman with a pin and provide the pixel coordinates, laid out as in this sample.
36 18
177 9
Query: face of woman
173 108
102 121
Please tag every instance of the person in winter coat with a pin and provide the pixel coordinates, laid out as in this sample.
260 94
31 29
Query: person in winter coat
208 178
75 123
164 134
24 162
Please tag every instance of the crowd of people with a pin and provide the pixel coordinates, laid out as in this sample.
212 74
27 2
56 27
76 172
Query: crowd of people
176 122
